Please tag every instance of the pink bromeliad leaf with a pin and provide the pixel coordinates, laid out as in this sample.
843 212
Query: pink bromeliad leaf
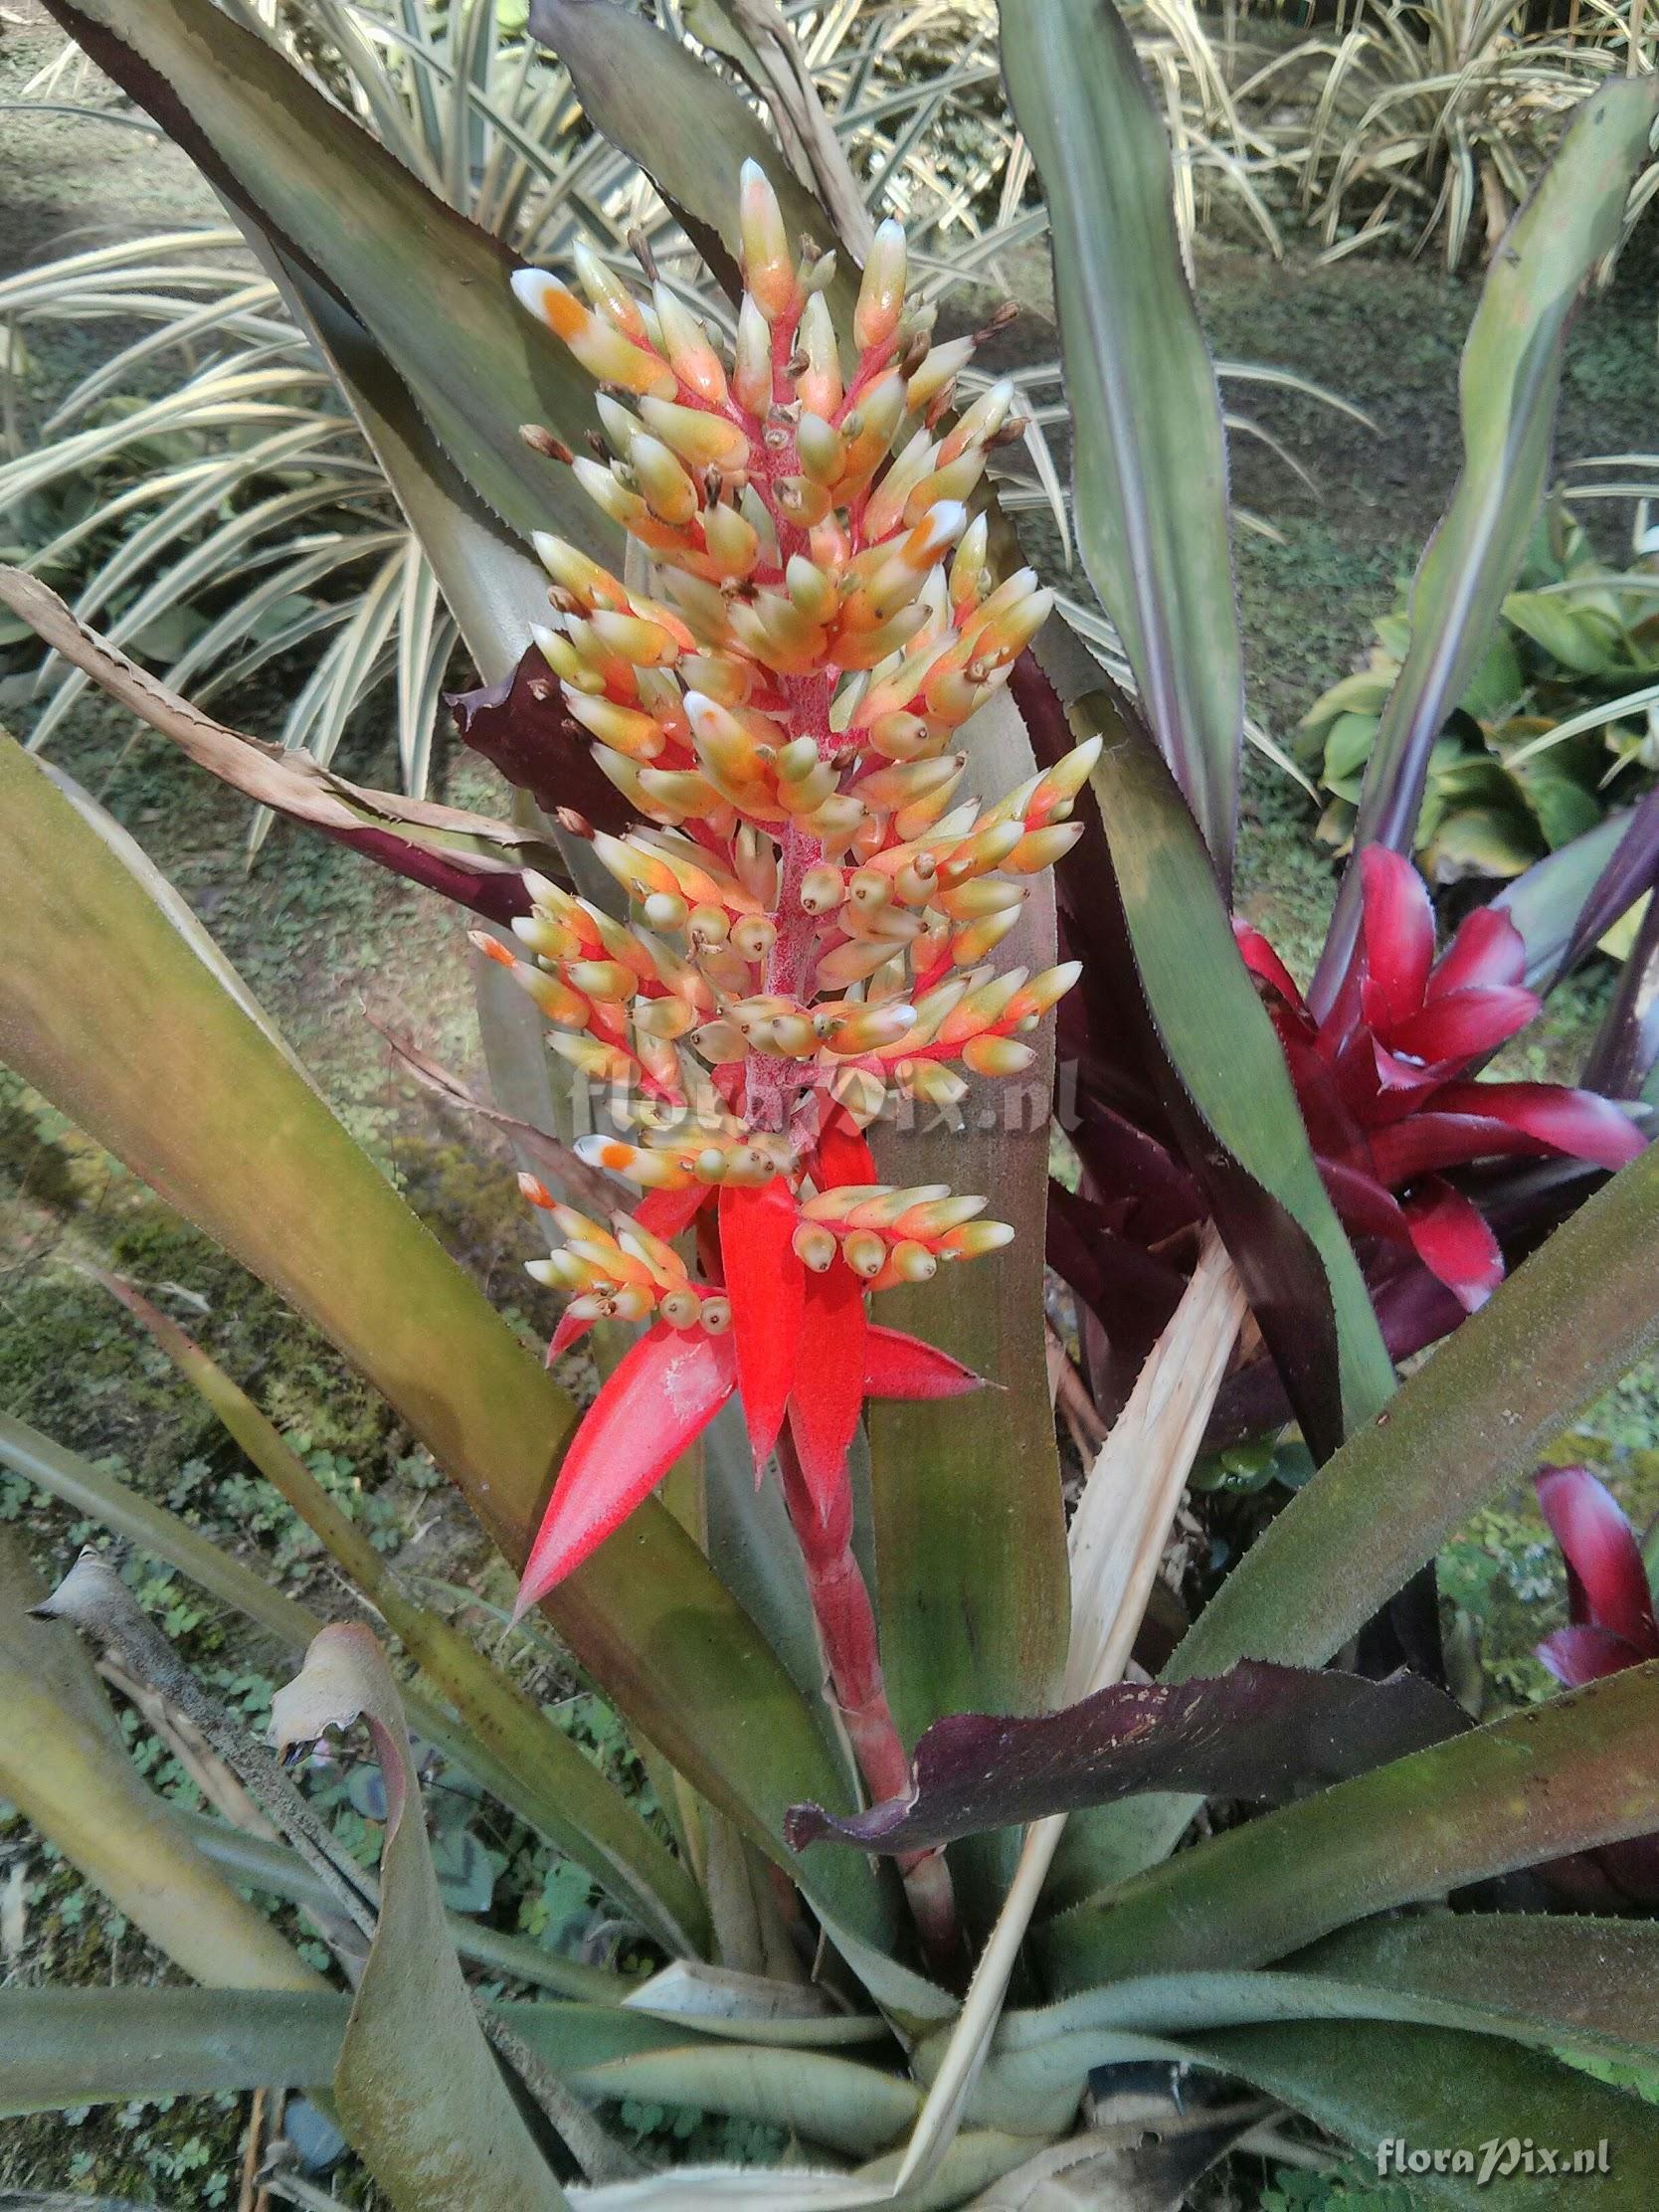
1464 1024
1454 1242
1487 950
1399 934
1264 963
1581 1124
900 1365
829 1393
766 1286
1583 1654
1607 1586
661 1398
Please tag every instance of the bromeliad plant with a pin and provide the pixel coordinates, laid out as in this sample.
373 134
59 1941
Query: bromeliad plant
761 932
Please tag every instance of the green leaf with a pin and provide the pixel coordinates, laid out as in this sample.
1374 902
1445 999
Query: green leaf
554 1786
431 286
99 1494
1565 1776
857 2110
1546 902
972 1588
418 2093
69 2047
1150 463
1218 1037
493 588
1432 2088
1570 633
1571 1984
148 1054
1512 369
254 1863
65 1767
688 130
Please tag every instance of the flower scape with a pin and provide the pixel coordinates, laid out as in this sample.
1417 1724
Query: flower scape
815 906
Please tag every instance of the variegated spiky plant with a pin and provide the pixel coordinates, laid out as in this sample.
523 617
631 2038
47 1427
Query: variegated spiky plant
816 911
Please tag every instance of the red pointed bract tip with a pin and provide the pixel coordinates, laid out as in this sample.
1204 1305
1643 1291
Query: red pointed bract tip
656 1403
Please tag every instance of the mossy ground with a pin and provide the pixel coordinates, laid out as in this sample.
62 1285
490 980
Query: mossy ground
319 935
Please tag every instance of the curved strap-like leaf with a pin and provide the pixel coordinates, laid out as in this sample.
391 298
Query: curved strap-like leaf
557 1788
1579 1771
467 857
1375 2084
688 128
1150 460
972 1590
419 2094
1512 370
104 1011
431 286
64 1766
1590 1987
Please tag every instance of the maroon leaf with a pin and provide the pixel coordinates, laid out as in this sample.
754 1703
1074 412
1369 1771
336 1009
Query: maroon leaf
1557 1120
478 863
1258 1732
1607 1581
1464 1024
522 727
1583 1654
1627 1042
1264 964
1622 881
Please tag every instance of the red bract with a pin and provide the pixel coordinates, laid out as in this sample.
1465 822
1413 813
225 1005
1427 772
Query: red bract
1383 1081
797 1348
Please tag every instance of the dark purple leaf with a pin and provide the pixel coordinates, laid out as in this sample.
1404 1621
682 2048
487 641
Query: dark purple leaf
1277 1261
1130 1293
1627 1042
1632 869
1259 1732
496 897
522 727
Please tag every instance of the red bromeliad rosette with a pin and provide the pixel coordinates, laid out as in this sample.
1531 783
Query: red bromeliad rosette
814 908
1386 1080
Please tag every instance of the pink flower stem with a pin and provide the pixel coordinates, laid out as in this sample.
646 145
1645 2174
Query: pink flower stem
841 1601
